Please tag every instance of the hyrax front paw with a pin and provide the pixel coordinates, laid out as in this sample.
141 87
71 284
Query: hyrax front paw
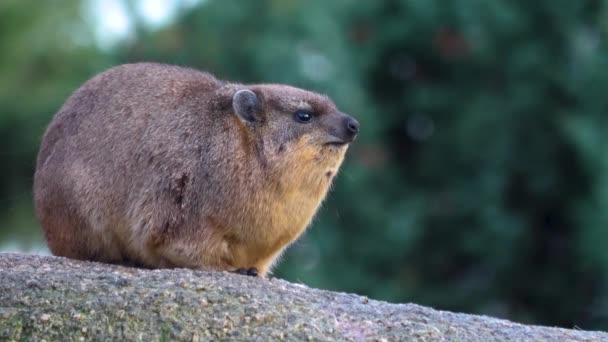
247 271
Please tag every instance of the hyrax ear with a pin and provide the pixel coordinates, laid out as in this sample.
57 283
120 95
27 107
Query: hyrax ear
247 106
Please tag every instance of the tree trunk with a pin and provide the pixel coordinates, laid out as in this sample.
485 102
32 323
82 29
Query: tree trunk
57 299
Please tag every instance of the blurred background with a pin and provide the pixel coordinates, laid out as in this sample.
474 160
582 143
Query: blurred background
479 183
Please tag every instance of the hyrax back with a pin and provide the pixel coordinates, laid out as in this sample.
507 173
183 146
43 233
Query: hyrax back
162 166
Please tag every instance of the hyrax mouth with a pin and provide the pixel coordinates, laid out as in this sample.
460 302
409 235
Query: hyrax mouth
337 143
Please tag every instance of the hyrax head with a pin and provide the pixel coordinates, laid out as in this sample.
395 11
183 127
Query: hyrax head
296 124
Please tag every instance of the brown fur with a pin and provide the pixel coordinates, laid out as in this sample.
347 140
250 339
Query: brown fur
149 165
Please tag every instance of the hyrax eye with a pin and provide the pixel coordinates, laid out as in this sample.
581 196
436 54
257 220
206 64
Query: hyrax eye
303 116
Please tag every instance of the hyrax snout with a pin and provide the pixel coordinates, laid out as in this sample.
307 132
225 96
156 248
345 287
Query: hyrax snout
161 166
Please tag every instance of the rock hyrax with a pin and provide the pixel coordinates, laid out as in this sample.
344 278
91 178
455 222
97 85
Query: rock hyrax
162 166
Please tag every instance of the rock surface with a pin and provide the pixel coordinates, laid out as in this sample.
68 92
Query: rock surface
57 299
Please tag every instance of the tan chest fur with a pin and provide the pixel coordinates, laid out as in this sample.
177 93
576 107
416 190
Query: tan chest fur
283 209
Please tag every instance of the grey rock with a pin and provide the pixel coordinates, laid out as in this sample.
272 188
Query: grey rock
58 299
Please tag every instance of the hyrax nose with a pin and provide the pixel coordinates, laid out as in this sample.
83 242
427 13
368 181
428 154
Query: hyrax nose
352 126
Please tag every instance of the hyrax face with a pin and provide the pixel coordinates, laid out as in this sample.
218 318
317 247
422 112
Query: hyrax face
300 127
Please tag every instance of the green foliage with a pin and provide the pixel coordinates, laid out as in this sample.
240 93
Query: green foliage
44 56
480 181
